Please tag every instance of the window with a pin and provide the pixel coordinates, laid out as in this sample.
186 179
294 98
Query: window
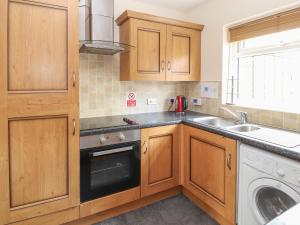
264 66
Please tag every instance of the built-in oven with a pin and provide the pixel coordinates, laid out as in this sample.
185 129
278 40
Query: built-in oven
109 163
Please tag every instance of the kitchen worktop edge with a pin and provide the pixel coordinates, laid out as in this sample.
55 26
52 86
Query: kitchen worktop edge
292 153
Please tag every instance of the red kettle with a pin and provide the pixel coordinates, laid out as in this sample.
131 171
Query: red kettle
181 103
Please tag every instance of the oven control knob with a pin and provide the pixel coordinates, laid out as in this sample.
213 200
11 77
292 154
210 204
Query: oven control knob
103 139
121 137
281 172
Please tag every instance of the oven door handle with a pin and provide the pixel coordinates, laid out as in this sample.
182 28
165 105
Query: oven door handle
112 151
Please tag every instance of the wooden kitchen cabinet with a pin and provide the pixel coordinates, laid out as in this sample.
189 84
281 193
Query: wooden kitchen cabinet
210 173
147 61
39 113
163 49
182 54
159 159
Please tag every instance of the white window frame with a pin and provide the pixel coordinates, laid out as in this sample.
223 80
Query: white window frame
231 92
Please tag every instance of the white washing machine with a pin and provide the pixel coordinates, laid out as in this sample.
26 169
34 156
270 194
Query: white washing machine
268 185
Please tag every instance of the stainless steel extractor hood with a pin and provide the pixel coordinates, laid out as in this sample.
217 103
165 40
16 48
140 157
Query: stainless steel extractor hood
96 21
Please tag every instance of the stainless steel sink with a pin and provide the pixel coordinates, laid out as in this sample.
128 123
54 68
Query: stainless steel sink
214 121
244 128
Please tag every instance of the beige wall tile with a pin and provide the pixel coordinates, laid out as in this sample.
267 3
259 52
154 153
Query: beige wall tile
290 121
277 119
298 122
265 117
103 94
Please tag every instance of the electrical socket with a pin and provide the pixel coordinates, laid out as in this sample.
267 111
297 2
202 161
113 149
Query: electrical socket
172 100
152 101
196 101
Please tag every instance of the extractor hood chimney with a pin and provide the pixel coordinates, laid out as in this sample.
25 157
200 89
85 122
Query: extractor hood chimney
96 21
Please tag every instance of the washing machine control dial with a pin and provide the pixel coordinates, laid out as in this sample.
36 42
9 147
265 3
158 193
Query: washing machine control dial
280 172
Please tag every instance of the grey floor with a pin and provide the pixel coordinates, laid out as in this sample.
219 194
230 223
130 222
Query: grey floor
177 210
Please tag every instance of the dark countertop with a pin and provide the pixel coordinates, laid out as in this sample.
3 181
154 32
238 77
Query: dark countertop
99 125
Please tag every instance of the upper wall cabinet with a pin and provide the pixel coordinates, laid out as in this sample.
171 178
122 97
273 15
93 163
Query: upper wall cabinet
39 137
164 49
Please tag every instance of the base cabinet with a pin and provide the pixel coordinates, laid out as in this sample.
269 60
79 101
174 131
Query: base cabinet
210 172
159 159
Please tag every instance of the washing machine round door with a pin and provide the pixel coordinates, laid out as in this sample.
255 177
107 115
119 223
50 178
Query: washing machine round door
269 198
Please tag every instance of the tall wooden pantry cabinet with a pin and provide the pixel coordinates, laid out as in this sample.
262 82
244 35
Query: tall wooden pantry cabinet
39 132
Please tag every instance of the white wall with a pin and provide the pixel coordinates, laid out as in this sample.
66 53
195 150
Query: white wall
136 5
215 14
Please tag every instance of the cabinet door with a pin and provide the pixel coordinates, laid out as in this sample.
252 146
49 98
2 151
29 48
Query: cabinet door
183 54
159 159
148 55
210 172
39 137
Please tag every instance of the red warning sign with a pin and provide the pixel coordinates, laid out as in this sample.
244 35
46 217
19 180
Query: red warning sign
131 99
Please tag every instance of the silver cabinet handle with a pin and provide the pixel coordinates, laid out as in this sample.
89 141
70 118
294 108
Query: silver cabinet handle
163 64
74 127
74 79
169 65
228 161
145 145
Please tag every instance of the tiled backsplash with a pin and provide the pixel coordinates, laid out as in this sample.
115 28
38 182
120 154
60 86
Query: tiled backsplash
103 94
288 121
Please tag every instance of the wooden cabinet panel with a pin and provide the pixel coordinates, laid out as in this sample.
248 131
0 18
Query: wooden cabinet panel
147 58
37 47
60 217
57 3
38 159
160 159
39 114
109 202
210 172
181 59
148 52
183 54
160 153
207 175
163 49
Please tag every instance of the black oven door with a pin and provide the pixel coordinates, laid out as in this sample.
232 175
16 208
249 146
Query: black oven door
109 169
